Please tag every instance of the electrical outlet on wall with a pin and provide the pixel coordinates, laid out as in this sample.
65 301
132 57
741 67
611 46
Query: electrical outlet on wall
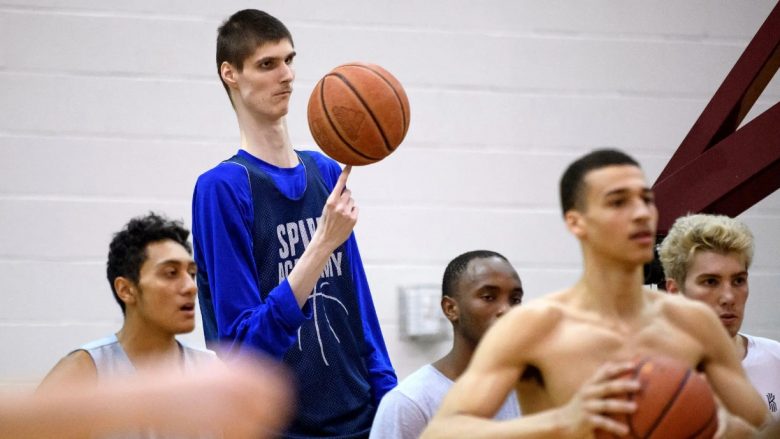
420 314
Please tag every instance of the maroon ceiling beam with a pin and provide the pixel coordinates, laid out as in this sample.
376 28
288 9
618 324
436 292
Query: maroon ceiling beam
727 178
736 95
720 167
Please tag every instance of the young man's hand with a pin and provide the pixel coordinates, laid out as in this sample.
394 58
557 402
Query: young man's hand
340 213
598 398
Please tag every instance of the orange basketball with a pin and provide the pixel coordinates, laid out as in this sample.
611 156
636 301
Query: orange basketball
673 402
358 113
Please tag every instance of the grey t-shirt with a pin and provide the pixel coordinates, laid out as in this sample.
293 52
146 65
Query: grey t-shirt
406 410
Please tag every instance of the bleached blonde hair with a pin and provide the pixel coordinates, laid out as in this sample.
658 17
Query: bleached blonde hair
698 232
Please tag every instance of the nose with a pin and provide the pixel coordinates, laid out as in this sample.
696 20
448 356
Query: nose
190 288
287 73
644 211
503 308
726 296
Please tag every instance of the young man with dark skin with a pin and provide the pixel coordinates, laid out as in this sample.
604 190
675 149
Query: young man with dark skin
707 258
279 268
478 287
152 275
564 352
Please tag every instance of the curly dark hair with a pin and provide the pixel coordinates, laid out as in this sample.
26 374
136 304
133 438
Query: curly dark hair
127 251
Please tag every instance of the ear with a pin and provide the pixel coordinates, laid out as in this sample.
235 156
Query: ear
450 308
575 222
672 287
228 74
125 289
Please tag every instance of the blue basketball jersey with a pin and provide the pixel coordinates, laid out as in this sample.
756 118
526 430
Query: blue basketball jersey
328 355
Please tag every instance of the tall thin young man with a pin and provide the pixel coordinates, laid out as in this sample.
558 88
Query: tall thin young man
279 267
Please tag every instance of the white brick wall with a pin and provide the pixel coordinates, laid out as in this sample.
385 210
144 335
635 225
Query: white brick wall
110 109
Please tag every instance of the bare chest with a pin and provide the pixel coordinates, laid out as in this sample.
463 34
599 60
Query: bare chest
576 349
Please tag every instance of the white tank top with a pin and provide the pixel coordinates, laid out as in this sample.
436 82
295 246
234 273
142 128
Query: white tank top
111 361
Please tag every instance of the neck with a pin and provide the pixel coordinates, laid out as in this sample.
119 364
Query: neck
612 287
148 347
267 140
455 362
740 345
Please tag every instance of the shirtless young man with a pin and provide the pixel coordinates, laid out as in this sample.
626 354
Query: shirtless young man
562 352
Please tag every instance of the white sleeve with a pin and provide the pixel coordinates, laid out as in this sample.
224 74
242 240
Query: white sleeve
398 417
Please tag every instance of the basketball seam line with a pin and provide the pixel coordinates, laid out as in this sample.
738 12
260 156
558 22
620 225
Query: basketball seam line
368 109
706 424
630 417
330 122
395 92
397 96
669 404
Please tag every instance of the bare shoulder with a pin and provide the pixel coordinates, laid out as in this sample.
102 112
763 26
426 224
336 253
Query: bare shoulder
691 315
542 311
76 368
678 305
524 326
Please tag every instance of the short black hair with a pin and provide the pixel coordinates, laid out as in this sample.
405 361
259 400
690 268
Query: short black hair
242 33
572 185
127 251
457 266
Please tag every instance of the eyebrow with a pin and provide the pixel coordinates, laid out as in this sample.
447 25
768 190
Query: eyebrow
187 262
269 58
624 191
491 287
707 274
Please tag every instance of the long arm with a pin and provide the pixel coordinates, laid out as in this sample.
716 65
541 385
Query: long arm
380 370
222 231
248 400
498 363
381 373
724 371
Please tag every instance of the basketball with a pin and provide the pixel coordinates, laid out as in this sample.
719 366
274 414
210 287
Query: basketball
673 402
358 113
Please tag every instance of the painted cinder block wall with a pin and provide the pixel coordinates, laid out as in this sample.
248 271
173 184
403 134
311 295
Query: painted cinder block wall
110 109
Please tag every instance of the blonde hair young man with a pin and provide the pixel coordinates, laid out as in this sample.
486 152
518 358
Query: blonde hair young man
707 258
564 352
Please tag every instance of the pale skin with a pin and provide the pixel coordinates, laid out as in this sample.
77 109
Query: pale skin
157 308
562 352
260 91
251 399
719 280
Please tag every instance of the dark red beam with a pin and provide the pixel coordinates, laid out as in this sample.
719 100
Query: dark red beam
736 95
727 178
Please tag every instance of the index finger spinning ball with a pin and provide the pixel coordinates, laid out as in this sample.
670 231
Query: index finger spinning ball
358 113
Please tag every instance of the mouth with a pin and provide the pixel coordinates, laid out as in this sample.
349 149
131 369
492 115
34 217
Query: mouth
728 318
643 237
188 308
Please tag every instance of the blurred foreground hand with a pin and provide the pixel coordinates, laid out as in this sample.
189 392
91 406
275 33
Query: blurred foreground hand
245 399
